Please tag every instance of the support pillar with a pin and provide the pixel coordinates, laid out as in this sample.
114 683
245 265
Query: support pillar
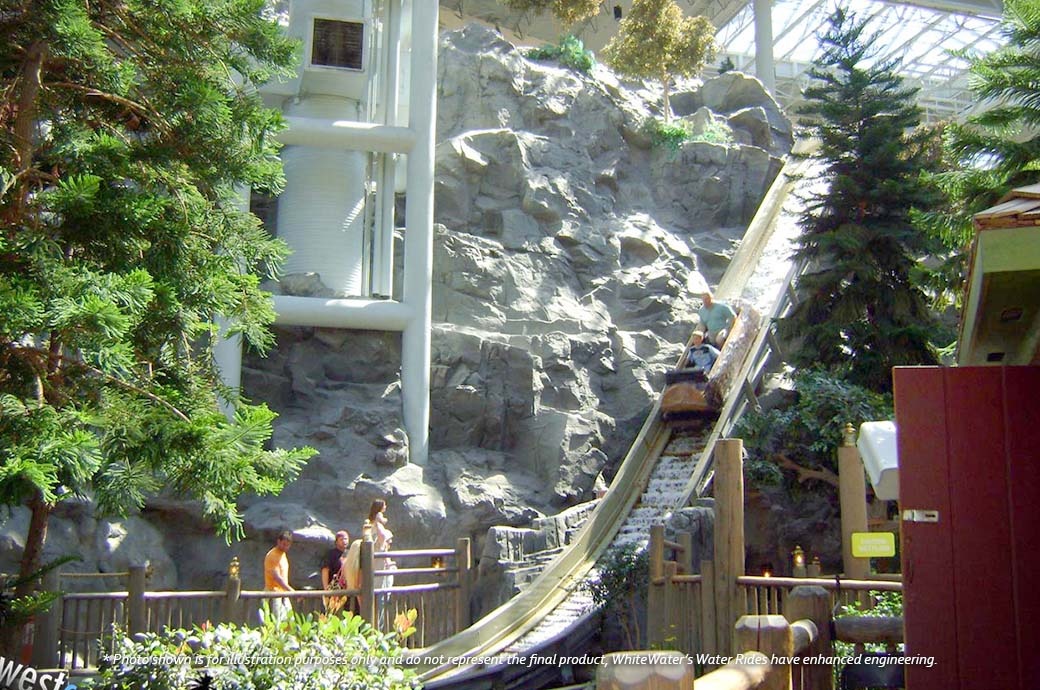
765 67
418 241
852 489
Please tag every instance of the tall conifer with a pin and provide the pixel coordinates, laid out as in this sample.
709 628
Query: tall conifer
127 130
859 311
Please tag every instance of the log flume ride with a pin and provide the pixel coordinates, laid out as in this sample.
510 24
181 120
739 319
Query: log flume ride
535 638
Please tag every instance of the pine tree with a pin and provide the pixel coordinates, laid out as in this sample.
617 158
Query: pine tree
127 128
860 311
656 41
997 149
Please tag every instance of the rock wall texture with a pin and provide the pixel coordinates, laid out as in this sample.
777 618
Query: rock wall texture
566 251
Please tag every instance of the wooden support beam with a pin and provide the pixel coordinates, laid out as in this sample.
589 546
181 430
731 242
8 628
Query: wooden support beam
852 490
771 635
729 539
813 603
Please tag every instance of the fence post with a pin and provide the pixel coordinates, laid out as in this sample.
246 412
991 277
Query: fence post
852 490
655 611
660 670
368 584
709 642
772 636
729 538
685 540
137 616
233 592
463 562
48 623
813 603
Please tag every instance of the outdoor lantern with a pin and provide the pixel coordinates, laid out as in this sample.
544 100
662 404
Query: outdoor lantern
815 567
798 561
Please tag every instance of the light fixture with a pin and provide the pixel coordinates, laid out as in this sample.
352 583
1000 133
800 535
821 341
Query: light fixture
798 562
815 568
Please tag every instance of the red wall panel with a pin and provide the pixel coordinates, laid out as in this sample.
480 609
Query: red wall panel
927 548
969 448
980 523
1022 403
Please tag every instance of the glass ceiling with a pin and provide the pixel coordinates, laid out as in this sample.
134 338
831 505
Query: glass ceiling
921 36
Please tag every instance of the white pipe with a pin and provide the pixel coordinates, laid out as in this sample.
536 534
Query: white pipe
227 351
765 69
418 255
347 134
385 315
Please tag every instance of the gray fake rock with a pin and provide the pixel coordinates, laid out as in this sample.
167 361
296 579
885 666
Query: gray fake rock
733 92
132 541
699 522
482 494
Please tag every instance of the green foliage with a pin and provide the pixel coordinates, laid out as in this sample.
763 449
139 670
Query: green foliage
656 41
299 653
121 243
995 150
18 610
861 306
672 135
809 431
569 12
620 588
714 132
726 65
884 604
570 52
665 135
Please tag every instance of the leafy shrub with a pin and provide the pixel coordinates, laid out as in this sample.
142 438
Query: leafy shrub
714 132
299 653
621 588
665 135
809 430
885 604
570 52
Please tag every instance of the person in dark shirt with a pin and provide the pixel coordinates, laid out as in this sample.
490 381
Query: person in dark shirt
330 562
702 355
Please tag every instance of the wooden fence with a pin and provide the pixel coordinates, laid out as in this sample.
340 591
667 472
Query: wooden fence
436 583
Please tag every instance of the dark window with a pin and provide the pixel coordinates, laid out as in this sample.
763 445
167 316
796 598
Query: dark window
338 44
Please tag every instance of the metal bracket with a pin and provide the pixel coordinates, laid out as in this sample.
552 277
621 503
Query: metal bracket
918 515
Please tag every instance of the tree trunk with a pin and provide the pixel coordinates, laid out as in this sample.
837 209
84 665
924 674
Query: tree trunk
667 105
10 638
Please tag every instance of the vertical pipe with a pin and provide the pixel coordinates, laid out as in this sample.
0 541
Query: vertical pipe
765 68
418 262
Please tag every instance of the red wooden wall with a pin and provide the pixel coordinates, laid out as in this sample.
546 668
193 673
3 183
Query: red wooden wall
969 448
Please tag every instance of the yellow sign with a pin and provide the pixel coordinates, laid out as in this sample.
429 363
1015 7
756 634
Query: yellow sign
873 544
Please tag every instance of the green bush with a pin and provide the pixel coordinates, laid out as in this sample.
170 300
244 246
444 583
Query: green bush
299 653
714 132
809 430
620 588
665 135
570 52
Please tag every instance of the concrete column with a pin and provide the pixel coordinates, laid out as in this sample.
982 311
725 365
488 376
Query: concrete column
418 242
765 69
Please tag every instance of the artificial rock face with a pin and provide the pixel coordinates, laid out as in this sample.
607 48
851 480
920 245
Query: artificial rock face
566 253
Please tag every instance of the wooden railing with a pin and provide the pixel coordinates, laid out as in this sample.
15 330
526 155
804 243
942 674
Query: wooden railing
76 630
767 595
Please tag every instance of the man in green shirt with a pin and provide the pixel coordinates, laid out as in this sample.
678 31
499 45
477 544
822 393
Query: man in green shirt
716 319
